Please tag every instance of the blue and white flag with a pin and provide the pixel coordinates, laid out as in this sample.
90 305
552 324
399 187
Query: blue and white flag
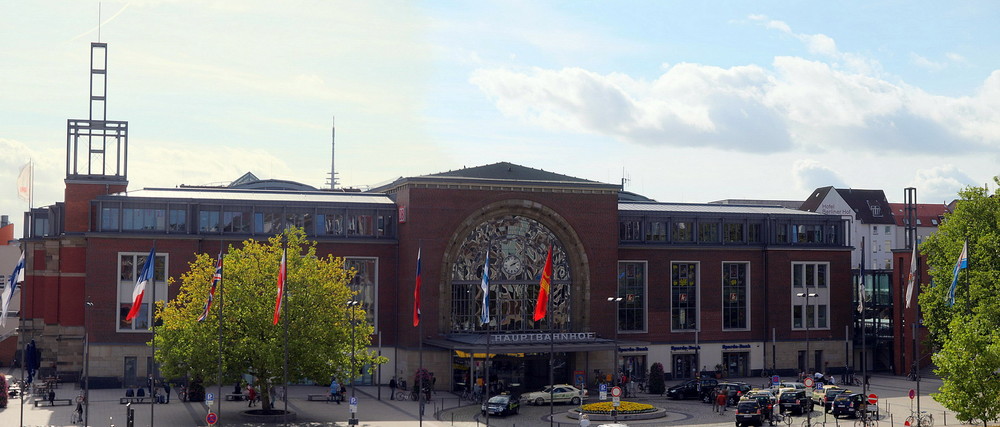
8 293
485 316
963 262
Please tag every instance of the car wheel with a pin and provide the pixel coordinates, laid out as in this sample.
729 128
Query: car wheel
539 401
732 401
857 413
575 401
706 399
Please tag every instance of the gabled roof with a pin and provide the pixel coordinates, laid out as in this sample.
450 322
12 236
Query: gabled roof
869 206
503 174
928 214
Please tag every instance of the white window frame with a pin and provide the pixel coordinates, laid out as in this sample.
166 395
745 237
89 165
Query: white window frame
822 297
749 302
697 294
645 298
125 288
375 285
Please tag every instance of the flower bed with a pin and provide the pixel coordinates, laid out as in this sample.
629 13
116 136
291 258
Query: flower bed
623 408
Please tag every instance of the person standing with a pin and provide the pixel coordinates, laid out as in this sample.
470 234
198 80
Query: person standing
714 395
335 390
720 400
251 395
166 391
392 388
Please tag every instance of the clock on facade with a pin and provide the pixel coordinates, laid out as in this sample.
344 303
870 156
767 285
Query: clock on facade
512 266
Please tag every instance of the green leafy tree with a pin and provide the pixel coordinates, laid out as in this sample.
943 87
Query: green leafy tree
656 385
963 335
316 308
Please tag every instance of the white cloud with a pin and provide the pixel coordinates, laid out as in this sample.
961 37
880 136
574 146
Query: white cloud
837 102
940 183
927 64
810 174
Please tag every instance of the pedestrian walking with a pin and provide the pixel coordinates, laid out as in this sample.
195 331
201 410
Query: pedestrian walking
251 395
720 400
714 396
335 391
392 388
166 390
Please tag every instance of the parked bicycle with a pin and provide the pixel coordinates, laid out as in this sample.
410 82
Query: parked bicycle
924 419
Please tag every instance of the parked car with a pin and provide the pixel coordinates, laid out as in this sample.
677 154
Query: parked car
825 396
733 391
559 393
766 399
749 413
502 405
850 404
795 402
690 389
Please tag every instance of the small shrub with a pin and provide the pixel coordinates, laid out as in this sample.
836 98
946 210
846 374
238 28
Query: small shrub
656 385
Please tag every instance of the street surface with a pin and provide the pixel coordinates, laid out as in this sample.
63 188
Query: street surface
445 409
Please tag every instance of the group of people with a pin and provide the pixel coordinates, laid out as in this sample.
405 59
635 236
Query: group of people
337 391
154 391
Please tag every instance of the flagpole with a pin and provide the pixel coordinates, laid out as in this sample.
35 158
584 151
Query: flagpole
486 309
284 302
152 328
218 403
864 323
552 347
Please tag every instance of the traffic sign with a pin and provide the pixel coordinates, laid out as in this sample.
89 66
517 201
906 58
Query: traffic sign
615 401
775 380
819 386
913 394
808 382
872 398
209 396
616 392
604 388
211 418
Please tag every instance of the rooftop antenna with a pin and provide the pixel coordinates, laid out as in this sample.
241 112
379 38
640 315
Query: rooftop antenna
625 178
333 153
98 22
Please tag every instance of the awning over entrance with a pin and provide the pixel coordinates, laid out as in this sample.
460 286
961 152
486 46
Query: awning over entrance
526 343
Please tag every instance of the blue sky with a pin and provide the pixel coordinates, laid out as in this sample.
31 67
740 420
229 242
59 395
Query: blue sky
692 101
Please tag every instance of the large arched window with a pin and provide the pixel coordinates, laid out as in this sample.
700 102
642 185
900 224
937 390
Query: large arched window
517 246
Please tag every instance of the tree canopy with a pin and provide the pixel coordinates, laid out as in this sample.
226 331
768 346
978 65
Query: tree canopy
964 333
316 308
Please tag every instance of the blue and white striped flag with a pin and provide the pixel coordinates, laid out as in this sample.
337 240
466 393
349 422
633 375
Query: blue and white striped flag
963 262
8 294
485 316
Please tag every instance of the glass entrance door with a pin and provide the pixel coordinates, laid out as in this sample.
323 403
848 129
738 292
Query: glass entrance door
684 364
737 364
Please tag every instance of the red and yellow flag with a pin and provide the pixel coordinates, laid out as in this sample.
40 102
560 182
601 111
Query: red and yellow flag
541 306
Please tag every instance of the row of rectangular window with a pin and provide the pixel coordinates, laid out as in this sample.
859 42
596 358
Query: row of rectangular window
726 232
248 220
684 284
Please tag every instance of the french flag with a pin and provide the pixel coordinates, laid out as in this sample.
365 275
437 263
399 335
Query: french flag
145 276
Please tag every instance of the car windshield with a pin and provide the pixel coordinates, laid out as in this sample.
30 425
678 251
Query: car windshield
843 397
499 399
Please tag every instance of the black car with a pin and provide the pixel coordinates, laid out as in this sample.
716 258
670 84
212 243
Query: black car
690 390
749 413
734 392
850 404
502 405
795 402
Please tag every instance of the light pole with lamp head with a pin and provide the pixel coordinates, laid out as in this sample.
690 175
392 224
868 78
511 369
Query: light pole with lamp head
614 379
86 361
806 319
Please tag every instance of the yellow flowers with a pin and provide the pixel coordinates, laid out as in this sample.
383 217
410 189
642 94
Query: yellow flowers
623 408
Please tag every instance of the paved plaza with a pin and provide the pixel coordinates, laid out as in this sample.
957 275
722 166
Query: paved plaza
445 409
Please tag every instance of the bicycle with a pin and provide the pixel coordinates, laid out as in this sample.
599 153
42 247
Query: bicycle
923 420
867 420
852 380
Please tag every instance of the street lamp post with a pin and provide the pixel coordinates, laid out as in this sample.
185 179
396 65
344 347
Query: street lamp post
86 362
614 379
806 319
352 305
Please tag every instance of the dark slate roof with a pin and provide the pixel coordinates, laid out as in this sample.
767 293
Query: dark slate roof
509 171
870 206
500 174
